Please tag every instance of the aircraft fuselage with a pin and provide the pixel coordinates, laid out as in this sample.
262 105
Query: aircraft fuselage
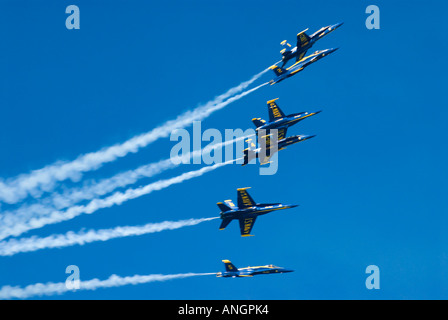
302 64
283 143
252 271
287 121
255 211
294 52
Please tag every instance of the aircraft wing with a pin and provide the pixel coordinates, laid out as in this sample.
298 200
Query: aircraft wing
266 141
302 39
266 146
274 111
281 133
265 160
300 56
244 199
246 225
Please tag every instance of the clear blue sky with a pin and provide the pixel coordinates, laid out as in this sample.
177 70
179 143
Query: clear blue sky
371 186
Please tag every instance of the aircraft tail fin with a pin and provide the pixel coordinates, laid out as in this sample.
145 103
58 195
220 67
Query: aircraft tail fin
223 207
286 48
229 266
249 155
277 70
303 39
258 122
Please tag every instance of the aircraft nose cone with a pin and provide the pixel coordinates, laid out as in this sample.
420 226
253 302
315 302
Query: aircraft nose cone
293 205
287 270
333 50
337 25
306 137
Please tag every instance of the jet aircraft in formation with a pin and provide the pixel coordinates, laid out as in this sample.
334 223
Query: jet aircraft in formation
234 272
246 211
273 141
282 74
304 43
271 137
278 120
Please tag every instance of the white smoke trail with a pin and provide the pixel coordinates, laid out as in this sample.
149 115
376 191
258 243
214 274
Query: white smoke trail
45 179
58 201
115 199
13 246
50 288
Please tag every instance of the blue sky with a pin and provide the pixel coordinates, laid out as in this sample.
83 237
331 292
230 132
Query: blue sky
370 186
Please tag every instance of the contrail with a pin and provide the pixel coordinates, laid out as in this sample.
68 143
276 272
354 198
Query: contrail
58 201
51 288
13 246
115 199
44 180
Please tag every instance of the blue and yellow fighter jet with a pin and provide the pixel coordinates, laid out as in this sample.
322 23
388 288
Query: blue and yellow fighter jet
304 43
268 147
282 74
278 120
246 212
234 272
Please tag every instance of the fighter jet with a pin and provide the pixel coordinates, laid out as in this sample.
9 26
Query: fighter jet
269 144
304 43
278 120
234 272
282 74
246 212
